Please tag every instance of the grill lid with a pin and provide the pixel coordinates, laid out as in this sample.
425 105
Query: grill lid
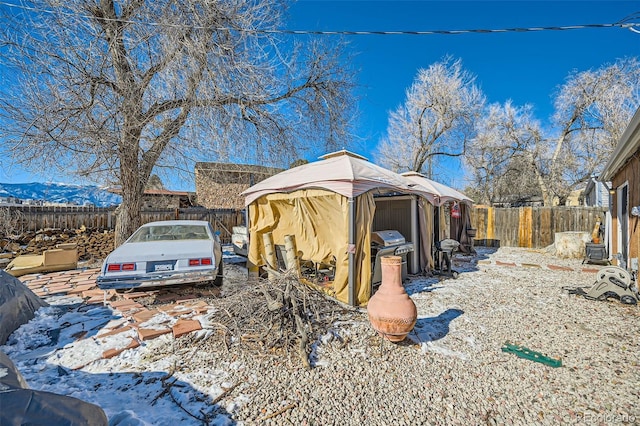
387 238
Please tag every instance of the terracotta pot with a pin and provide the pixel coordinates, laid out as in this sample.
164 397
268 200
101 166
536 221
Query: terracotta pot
391 311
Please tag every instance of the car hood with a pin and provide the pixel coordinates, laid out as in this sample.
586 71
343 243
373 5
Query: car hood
140 252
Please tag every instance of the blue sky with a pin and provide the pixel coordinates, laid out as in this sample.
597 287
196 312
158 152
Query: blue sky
525 67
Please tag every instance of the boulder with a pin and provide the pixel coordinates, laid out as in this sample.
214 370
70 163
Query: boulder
571 245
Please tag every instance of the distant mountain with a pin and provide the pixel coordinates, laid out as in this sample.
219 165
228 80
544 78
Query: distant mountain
61 193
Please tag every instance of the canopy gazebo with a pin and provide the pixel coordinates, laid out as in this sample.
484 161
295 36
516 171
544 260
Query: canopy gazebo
329 206
460 227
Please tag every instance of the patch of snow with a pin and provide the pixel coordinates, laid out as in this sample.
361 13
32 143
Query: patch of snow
440 349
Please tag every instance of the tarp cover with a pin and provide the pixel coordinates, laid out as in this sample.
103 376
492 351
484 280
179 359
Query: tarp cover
342 172
425 222
18 404
443 193
30 407
18 305
22 406
319 220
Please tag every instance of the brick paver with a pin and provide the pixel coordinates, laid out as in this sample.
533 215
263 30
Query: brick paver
82 283
184 326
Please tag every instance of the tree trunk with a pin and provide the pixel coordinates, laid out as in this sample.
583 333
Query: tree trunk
128 218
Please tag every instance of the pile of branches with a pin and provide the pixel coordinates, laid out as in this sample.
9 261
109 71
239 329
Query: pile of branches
281 316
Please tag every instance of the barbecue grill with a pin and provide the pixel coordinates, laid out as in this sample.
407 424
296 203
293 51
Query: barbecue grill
443 255
388 243
596 253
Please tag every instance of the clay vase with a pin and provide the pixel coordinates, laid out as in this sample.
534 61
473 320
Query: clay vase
391 311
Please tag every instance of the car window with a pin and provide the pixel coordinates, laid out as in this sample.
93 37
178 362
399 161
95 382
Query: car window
191 232
142 234
170 232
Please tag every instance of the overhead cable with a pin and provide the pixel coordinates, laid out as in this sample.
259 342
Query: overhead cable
626 23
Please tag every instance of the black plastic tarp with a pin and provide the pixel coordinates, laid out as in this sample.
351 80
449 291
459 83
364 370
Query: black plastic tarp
20 405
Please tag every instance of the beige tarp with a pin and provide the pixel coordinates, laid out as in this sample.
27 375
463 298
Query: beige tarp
441 193
319 220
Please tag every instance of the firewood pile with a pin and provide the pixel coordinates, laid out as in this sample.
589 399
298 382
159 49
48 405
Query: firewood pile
93 244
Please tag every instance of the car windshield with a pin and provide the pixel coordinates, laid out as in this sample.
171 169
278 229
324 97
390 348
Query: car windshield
169 232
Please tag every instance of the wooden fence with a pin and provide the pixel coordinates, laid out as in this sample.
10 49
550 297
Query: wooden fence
33 218
532 227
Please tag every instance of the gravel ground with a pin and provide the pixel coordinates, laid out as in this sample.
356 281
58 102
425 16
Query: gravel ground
450 370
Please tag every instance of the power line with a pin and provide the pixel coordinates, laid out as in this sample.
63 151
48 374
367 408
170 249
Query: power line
450 32
625 23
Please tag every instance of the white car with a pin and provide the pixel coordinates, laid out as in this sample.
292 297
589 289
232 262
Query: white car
165 253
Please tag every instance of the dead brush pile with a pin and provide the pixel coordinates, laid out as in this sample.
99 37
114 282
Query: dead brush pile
282 317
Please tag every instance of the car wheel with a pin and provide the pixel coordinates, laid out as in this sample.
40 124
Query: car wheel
218 281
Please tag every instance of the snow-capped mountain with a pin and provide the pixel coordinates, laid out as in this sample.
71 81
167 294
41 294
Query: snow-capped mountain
60 193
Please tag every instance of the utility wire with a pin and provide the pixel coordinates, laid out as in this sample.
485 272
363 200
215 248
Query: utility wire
625 23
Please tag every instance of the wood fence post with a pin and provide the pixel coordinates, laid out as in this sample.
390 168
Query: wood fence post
270 253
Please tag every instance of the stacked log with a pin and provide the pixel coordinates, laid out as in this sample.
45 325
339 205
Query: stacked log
93 244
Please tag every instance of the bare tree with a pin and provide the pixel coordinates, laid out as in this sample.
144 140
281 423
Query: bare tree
437 118
498 159
11 222
513 154
117 90
592 110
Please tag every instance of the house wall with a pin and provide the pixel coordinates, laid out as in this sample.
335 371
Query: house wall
161 202
629 174
596 194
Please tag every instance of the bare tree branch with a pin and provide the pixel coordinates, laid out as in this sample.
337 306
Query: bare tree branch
592 109
115 89
436 119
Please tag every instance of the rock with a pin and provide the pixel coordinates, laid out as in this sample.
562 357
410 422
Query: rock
571 245
92 244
